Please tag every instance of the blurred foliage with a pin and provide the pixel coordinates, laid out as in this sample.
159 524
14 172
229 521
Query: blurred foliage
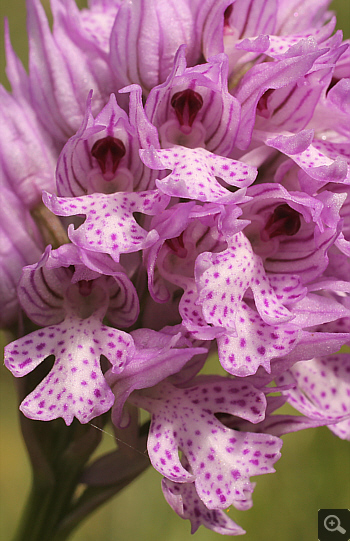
313 473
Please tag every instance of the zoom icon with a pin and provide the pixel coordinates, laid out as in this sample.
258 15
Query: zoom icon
333 524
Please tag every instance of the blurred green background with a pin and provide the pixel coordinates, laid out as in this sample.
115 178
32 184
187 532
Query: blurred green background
313 473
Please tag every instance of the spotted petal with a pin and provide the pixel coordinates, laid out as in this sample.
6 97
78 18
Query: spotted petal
311 160
323 389
192 314
194 173
183 498
223 279
110 226
255 343
75 387
221 460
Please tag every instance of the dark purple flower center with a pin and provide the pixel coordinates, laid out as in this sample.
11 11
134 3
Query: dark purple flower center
261 107
177 246
85 287
227 14
108 152
186 103
333 82
283 221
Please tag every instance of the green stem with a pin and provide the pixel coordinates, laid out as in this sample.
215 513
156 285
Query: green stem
53 511
50 514
91 499
59 455
35 507
47 506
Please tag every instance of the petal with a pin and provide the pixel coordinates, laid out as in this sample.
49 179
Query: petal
54 98
302 254
67 64
124 306
28 158
221 460
79 173
316 309
288 288
75 386
224 278
253 18
184 500
256 343
20 245
218 117
323 390
26 353
192 315
139 26
311 160
15 71
41 292
155 359
308 16
194 173
262 77
110 226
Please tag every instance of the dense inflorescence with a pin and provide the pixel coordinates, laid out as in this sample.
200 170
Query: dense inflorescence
193 160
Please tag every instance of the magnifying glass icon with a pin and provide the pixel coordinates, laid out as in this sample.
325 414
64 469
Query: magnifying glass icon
332 524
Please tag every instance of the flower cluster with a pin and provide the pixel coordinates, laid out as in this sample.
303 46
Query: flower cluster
193 159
